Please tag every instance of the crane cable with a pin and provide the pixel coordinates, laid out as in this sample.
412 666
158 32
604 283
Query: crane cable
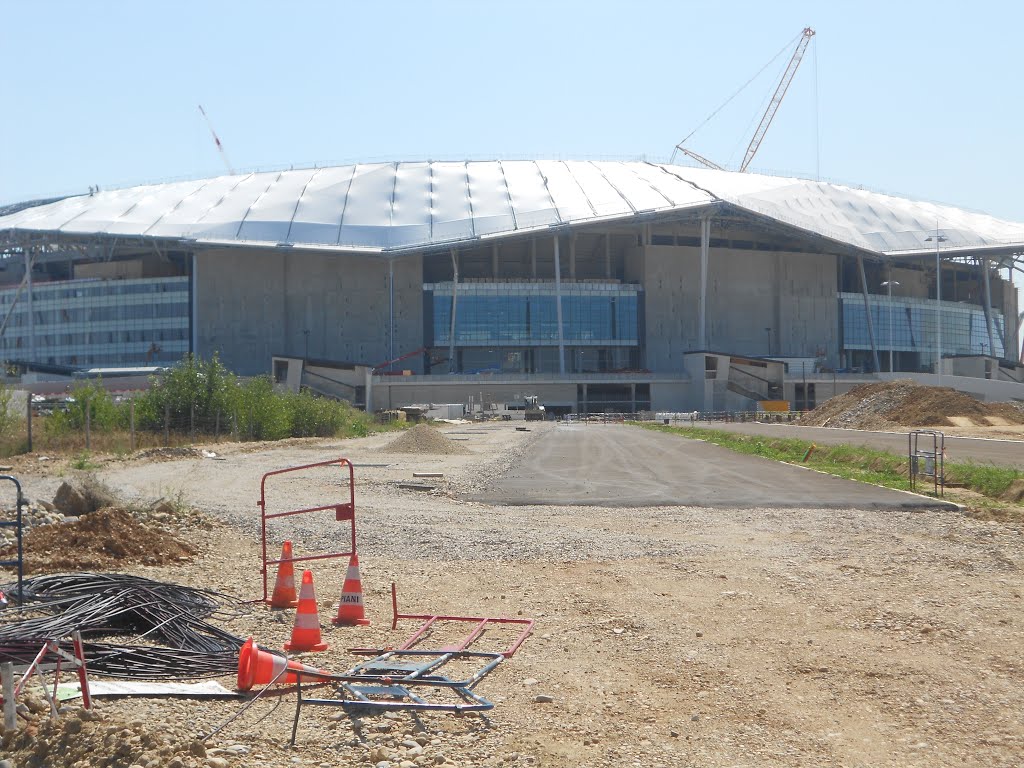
726 103
817 112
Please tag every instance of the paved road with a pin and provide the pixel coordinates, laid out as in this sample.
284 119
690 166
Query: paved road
614 465
1007 453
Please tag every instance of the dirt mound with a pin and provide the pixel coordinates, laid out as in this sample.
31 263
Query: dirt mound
424 439
896 404
103 540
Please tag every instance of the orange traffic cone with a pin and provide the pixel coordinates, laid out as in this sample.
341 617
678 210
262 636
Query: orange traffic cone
306 633
256 667
284 587
350 608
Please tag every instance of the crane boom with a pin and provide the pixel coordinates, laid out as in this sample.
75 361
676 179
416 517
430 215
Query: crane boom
699 158
780 92
220 147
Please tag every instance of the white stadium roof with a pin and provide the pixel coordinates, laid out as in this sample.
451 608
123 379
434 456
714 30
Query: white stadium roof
394 207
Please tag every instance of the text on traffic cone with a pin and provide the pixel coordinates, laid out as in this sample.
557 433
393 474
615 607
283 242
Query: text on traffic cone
350 608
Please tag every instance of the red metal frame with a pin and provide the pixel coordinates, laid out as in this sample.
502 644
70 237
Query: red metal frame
481 624
76 659
342 511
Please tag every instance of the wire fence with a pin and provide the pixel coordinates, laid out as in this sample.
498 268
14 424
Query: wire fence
60 426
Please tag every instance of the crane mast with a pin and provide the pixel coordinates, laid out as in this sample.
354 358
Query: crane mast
780 92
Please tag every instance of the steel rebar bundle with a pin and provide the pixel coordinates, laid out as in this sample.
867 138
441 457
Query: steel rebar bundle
164 626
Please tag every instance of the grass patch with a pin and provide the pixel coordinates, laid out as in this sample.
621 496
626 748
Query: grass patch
83 460
855 462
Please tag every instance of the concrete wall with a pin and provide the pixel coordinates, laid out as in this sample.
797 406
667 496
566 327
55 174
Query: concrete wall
251 305
396 394
794 294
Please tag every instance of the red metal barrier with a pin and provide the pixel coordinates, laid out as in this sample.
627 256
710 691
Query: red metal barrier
342 511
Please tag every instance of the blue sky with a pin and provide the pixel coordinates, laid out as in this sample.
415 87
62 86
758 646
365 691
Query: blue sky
914 98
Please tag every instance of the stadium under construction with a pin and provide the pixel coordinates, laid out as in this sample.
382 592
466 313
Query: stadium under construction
596 286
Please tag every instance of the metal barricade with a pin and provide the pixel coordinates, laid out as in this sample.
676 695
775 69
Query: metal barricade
343 511
924 460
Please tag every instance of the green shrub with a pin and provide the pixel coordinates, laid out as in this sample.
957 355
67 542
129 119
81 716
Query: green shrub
262 413
105 414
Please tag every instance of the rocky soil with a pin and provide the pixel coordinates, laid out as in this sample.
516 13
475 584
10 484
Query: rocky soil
665 636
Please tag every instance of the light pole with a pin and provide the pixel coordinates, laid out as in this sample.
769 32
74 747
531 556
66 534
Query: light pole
889 284
768 330
938 301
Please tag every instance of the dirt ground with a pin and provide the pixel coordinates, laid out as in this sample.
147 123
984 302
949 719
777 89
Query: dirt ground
665 636
906 404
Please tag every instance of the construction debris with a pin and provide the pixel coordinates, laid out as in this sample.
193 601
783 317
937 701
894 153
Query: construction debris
424 438
905 403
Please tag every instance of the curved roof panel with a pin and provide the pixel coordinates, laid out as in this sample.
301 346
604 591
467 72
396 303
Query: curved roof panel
381 207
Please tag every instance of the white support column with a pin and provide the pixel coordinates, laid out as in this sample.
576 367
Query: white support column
608 255
28 304
702 308
572 256
368 383
194 319
867 311
391 309
988 310
455 297
558 309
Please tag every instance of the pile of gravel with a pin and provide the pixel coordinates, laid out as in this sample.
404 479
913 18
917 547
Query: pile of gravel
424 439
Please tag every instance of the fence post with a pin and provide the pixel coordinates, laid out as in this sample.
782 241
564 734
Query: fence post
252 422
29 420
216 427
234 425
192 422
88 421
167 424
7 683
131 425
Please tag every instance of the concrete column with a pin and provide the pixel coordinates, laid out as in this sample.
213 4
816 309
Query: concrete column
452 368
494 261
608 255
572 256
867 311
533 257
369 390
988 310
702 304
558 309
28 304
391 310
193 337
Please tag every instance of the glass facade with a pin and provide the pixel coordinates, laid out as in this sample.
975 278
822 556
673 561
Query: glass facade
913 326
89 323
513 327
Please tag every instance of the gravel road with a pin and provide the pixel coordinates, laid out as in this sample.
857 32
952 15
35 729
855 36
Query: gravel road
666 636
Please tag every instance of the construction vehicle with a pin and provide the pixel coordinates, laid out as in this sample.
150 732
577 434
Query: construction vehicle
534 410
